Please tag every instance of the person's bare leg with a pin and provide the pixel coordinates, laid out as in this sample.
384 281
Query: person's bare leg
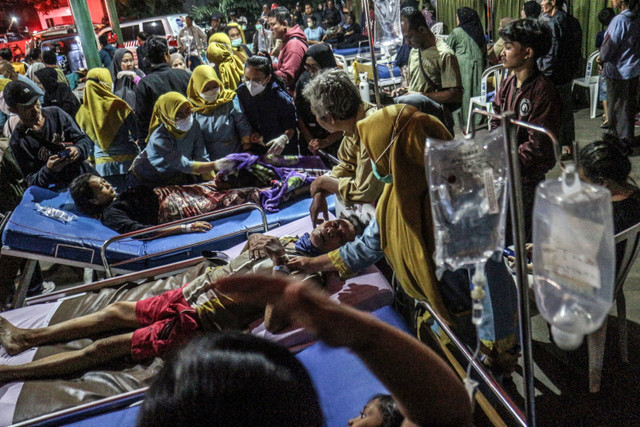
96 354
117 316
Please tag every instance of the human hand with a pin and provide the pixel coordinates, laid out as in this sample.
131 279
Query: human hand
399 92
262 246
122 74
335 324
223 164
319 206
74 153
318 144
276 145
196 227
56 163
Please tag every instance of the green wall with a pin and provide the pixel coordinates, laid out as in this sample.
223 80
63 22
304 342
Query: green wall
586 11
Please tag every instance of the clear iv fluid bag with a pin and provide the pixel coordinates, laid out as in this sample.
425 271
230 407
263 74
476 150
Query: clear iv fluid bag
387 17
573 258
468 192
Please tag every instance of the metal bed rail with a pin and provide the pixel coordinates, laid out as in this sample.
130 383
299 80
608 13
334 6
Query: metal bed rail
203 217
65 416
115 281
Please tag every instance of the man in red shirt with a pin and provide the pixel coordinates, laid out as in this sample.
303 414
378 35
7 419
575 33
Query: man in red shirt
294 46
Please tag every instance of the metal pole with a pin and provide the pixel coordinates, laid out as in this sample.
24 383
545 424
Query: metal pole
82 19
372 49
114 20
496 388
517 221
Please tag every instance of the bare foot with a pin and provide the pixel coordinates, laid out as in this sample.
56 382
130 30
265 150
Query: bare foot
12 338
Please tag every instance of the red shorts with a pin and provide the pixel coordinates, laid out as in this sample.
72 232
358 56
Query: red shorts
166 320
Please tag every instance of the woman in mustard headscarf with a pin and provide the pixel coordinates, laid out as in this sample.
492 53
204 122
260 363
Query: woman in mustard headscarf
394 138
175 151
225 129
110 123
229 66
238 41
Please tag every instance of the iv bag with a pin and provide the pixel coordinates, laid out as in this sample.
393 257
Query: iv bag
573 256
387 18
468 190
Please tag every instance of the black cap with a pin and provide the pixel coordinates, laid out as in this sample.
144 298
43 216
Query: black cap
216 15
17 93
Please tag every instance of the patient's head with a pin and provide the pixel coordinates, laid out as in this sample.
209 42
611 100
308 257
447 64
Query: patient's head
330 235
91 194
231 379
380 411
602 162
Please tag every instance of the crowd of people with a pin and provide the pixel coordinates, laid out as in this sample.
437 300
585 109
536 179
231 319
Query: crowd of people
174 122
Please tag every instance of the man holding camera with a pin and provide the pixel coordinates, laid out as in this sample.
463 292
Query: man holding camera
48 145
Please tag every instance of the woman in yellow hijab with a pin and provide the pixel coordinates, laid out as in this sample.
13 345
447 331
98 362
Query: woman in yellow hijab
217 110
175 151
238 41
229 66
110 123
395 139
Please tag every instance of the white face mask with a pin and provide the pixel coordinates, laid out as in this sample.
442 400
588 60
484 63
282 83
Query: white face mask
185 124
210 95
255 88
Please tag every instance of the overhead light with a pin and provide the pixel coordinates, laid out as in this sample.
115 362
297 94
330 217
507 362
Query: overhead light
14 19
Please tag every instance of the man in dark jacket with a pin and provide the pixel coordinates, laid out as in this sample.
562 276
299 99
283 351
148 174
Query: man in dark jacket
48 145
534 98
294 46
107 51
560 64
160 80
141 52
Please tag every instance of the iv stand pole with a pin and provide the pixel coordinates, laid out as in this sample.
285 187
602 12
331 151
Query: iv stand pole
372 50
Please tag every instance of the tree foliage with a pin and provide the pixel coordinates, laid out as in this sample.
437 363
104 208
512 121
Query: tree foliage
138 9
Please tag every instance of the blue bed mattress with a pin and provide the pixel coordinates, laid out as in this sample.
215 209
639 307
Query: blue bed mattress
383 72
343 382
352 51
81 240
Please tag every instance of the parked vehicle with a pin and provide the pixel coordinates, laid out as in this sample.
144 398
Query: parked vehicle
14 41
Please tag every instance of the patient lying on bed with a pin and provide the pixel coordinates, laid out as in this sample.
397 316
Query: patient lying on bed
142 207
163 322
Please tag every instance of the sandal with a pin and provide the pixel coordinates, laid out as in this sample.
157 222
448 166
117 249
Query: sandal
605 124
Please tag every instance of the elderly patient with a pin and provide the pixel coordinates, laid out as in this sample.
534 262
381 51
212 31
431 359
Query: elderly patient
161 323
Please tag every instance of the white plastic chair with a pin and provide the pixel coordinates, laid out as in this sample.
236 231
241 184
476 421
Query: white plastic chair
498 72
596 340
590 81
437 28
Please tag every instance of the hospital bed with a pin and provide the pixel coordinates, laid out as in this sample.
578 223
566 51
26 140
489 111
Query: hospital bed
85 242
23 401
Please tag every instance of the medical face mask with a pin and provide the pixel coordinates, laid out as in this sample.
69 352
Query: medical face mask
244 27
185 124
387 179
236 42
258 27
255 88
210 95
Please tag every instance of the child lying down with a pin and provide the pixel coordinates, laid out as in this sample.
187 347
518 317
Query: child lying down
158 324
